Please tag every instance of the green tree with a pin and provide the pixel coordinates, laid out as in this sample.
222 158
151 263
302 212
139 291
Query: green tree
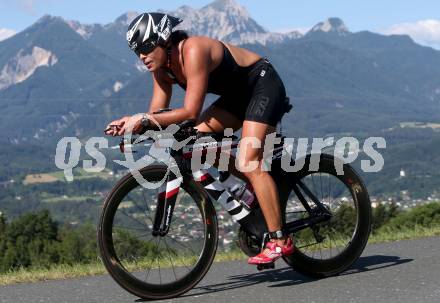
130 247
2 224
383 214
30 240
78 244
425 216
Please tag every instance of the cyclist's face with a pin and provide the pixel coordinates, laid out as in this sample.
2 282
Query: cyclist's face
154 59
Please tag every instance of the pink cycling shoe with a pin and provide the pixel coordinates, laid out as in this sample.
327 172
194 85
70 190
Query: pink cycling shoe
272 252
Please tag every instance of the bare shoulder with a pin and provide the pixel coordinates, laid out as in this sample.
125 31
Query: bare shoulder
203 49
197 44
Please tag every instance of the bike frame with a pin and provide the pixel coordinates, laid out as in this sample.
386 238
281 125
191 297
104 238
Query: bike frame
217 192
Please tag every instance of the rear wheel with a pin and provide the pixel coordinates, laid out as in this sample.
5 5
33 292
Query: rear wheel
331 247
155 267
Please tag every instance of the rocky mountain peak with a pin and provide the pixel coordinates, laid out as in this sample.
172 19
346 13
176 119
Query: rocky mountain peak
228 6
186 9
334 25
24 64
49 19
222 19
84 30
126 18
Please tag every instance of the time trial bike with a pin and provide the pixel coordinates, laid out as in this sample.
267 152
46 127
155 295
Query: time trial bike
159 243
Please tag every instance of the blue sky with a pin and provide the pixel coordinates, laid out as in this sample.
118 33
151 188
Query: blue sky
373 15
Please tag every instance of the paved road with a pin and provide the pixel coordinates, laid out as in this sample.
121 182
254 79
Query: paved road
405 271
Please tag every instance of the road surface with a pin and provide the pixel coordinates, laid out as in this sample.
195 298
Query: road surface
405 271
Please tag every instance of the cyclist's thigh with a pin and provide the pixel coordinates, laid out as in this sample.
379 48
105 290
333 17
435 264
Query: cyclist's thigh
216 119
253 130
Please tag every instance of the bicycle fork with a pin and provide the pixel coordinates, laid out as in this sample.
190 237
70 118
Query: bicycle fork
168 195
166 201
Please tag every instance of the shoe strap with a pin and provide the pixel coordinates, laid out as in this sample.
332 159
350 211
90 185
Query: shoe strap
279 234
271 245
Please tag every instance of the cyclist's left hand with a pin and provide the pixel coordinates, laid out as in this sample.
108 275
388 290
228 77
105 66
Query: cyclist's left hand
133 125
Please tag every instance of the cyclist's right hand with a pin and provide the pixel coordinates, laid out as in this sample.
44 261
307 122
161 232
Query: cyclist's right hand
115 127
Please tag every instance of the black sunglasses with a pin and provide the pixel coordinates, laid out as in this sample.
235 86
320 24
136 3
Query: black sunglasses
145 48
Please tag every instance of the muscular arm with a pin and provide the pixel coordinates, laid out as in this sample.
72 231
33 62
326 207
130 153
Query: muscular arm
162 90
197 62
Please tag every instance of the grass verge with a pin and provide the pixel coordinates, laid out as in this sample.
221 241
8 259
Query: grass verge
59 272
64 271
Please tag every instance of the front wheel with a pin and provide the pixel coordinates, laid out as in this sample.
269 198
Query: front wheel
146 264
331 247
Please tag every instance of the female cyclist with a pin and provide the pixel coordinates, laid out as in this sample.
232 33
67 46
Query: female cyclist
252 97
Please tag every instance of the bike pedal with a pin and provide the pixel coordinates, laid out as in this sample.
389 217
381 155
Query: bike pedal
261 267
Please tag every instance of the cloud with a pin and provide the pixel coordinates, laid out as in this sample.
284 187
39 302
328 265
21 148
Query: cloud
426 32
6 33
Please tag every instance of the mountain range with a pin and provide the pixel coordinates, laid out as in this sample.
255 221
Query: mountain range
61 77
